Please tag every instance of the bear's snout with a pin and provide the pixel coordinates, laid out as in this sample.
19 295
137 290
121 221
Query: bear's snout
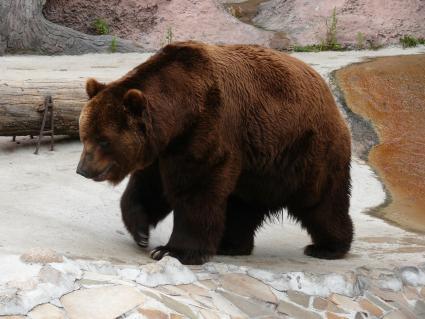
95 168
82 171
84 167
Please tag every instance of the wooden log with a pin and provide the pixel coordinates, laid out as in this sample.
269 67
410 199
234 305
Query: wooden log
23 29
26 80
21 106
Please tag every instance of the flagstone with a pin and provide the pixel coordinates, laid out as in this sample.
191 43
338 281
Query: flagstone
299 298
153 314
248 306
378 302
46 311
296 311
322 304
410 293
101 303
225 306
247 286
330 315
345 302
370 307
194 289
177 306
212 284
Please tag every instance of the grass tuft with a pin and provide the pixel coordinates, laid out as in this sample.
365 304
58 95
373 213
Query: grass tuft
113 46
409 41
101 26
330 43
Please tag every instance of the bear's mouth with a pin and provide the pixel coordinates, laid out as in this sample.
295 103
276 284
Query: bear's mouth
104 174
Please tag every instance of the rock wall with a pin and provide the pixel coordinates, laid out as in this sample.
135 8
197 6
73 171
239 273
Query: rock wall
148 22
275 23
381 22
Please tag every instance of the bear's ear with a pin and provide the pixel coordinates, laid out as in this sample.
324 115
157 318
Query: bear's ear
93 87
135 102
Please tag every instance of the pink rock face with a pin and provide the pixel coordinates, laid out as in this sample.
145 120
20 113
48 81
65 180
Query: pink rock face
148 22
380 21
204 21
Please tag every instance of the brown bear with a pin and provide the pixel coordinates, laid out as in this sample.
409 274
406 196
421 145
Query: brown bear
225 136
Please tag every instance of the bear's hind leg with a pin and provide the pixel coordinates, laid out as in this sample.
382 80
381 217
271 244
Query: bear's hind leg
328 223
242 220
143 203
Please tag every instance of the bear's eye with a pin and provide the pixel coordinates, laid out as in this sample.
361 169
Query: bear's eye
104 144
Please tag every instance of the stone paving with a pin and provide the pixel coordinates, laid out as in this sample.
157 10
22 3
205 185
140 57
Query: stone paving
42 284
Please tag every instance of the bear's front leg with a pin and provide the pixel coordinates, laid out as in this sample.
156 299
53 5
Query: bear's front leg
143 203
198 228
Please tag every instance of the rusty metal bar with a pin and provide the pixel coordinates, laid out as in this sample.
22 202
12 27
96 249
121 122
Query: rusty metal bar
48 107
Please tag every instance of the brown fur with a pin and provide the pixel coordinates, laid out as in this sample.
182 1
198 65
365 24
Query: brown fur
224 136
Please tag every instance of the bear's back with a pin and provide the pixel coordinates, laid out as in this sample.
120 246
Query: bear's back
256 100
273 98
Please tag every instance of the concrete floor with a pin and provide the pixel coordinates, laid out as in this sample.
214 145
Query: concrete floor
45 204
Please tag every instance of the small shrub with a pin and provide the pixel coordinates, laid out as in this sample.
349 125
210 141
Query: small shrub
360 41
113 45
408 41
169 35
331 31
330 43
101 26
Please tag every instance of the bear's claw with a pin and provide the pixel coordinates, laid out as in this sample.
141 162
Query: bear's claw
142 239
187 257
159 252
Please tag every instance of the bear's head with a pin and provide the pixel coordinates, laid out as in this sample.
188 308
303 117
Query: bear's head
113 131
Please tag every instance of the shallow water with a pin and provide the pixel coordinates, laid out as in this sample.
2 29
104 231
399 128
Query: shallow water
390 92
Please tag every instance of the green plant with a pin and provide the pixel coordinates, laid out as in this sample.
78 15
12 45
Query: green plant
101 26
113 45
360 41
169 35
331 42
308 48
408 41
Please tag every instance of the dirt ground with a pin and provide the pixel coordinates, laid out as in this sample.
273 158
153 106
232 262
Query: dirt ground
390 93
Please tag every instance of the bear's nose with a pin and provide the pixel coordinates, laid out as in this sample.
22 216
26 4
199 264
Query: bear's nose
82 172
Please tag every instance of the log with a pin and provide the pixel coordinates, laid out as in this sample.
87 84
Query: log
24 29
26 80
